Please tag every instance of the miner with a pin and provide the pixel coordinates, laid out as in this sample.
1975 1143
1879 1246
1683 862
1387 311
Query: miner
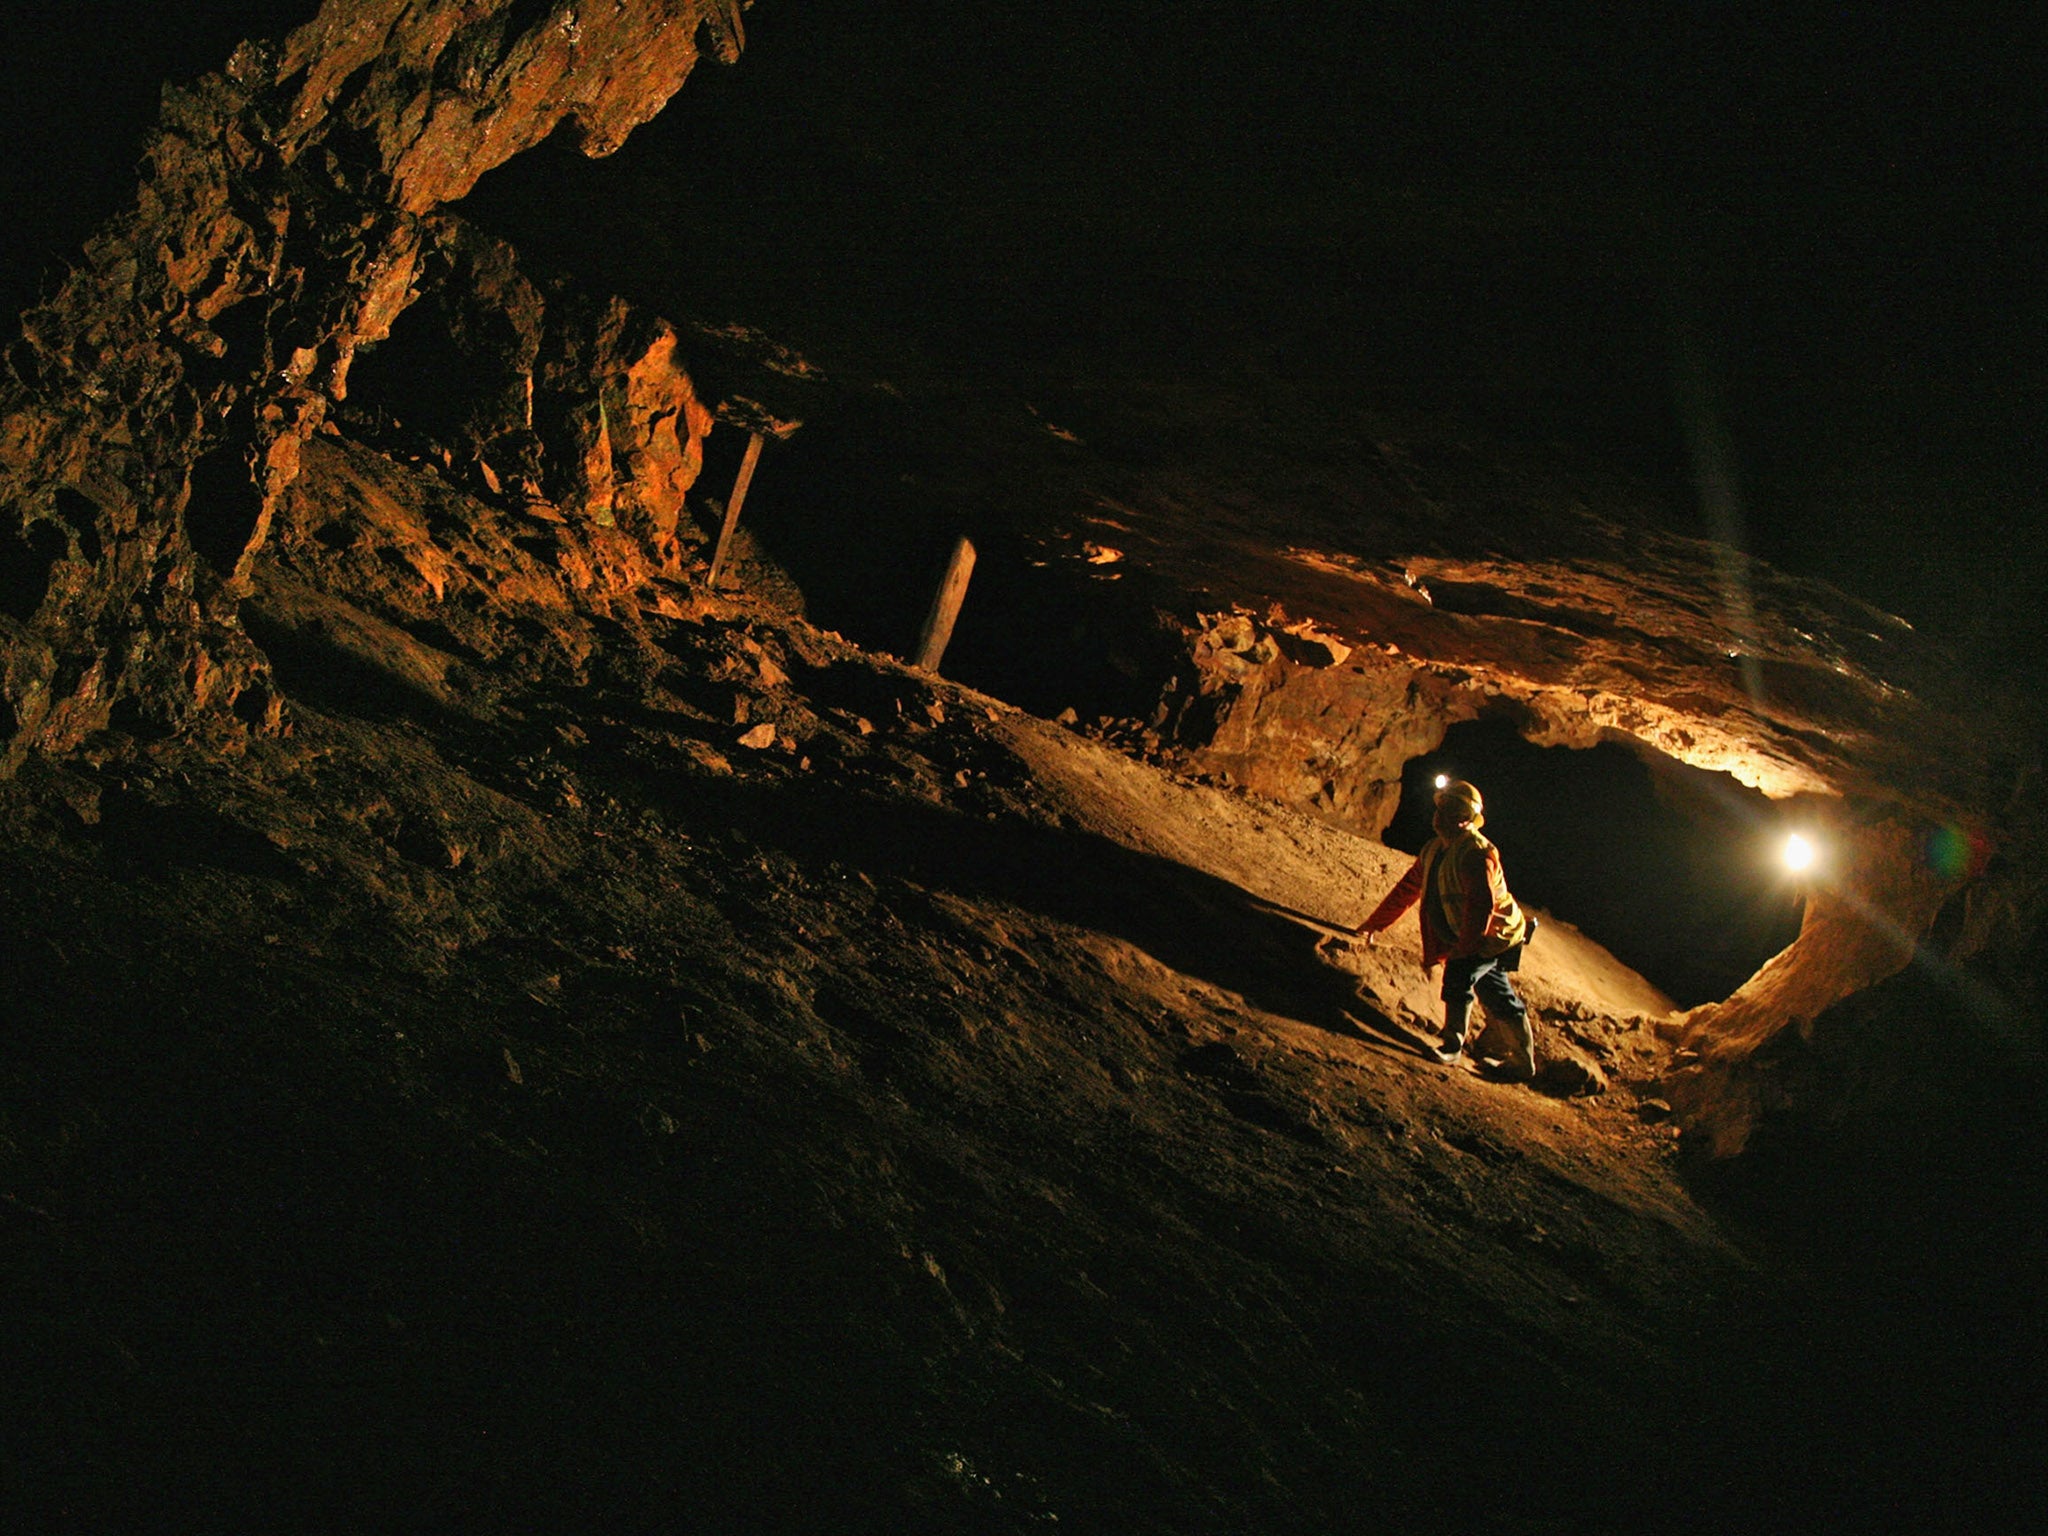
1469 921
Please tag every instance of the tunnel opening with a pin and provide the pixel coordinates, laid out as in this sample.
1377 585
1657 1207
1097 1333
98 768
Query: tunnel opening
423 381
857 539
1672 868
223 507
865 541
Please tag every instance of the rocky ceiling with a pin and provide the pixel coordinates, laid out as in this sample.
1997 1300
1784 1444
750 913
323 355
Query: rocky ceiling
1309 596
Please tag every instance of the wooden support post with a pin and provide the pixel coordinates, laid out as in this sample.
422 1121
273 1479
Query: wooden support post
938 624
732 509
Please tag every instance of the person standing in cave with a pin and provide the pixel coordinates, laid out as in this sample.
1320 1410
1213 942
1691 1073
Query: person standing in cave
1469 922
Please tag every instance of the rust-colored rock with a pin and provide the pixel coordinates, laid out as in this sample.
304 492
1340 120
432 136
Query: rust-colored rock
160 401
538 391
163 407
1817 700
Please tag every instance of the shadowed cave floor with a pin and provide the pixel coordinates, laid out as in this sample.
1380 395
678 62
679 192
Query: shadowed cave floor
533 1109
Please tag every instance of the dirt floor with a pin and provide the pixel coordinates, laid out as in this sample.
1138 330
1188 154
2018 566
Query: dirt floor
673 1071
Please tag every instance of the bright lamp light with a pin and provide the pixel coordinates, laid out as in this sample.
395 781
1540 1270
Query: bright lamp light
1799 854
1443 781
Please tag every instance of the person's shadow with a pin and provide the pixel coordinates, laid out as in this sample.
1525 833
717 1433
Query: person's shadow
1194 922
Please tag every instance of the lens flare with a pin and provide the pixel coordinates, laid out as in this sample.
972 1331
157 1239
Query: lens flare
1955 853
1799 854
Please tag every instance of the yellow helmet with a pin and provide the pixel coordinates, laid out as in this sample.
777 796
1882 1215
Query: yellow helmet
1462 801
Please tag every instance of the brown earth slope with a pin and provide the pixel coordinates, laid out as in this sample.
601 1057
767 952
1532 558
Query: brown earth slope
496 1036
672 1071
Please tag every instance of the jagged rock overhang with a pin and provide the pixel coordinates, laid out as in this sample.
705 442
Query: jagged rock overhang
1319 700
162 398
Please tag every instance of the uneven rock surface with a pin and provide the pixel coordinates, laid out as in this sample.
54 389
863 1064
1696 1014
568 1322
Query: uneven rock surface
1342 598
655 1064
160 400
553 398
601 1052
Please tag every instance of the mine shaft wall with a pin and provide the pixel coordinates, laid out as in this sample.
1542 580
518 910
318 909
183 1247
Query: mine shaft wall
159 402
1328 728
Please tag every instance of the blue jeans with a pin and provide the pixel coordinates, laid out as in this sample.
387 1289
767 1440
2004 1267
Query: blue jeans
1486 976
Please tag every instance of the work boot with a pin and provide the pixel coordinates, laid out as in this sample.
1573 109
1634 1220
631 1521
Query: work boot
1520 1065
1495 1070
1453 1045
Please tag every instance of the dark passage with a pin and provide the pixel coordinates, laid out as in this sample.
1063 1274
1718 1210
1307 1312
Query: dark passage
1672 868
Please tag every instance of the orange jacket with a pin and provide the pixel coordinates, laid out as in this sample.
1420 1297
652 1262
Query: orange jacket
1469 911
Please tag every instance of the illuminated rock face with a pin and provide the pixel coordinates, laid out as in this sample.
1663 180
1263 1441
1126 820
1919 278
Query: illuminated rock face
162 403
166 392
1807 702
538 395
1333 673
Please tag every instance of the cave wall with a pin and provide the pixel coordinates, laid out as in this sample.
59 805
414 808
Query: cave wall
535 392
156 410
1863 924
156 406
1323 714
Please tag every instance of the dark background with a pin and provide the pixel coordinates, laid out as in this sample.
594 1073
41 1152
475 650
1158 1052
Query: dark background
1807 237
